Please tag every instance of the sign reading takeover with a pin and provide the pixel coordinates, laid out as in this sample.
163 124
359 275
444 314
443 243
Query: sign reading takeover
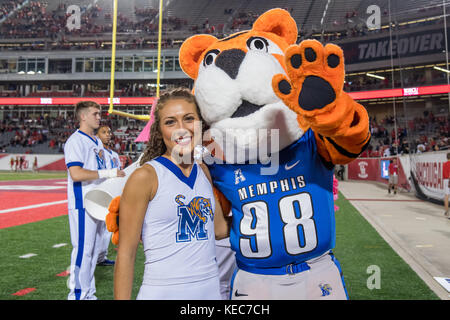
406 45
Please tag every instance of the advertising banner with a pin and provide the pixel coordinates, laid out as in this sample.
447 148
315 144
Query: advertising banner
406 45
376 169
421 172
426 169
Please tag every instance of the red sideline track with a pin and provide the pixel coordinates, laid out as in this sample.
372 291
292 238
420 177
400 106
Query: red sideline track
29 201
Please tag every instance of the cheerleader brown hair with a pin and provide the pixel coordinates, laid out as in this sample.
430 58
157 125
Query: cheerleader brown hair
155 146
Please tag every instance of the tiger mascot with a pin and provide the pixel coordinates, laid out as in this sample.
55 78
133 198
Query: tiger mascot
258 90
279 121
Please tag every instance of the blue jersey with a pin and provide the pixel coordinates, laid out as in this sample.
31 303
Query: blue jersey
283 218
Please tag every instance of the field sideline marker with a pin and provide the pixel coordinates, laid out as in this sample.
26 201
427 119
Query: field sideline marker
33 206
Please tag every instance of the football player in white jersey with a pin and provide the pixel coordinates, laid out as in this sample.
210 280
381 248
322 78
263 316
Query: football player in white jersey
169 203
112 161
86 163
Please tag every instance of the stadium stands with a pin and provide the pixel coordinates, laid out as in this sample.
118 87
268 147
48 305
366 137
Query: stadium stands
42 58
47 19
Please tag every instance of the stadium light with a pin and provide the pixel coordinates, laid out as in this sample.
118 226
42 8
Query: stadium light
375 76
441 69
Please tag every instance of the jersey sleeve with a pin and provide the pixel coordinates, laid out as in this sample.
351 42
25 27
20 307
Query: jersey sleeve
74 153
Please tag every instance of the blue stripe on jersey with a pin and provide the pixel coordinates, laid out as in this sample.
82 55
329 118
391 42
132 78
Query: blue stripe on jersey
92 139
189 181
78 193
338 265
80 249
75 163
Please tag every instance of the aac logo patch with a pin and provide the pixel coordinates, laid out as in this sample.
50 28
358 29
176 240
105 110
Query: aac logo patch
238 176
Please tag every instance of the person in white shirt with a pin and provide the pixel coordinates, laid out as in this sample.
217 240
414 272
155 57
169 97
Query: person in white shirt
87 166
112 161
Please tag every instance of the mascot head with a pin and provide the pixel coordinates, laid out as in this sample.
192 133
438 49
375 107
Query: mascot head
233 85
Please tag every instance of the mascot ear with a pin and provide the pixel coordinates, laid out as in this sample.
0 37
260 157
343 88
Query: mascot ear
279 22
191 50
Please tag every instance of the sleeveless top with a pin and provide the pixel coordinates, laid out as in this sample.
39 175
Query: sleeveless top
178 229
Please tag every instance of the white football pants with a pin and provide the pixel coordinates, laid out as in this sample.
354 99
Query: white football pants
84 231
323 281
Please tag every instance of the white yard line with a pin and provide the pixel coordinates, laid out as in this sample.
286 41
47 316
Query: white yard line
33 206
59 245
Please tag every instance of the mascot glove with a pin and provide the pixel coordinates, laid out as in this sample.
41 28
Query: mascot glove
313 87
112 219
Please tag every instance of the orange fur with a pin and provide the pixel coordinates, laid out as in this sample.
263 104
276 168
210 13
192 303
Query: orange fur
111 219
342 126
276 25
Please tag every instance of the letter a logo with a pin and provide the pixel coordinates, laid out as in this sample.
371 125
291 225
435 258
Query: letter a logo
238 176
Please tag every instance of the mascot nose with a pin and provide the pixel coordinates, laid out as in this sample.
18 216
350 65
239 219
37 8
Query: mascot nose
230 61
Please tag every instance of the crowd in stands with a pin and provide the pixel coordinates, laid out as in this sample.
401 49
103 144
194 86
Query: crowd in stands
244 19
42 130
33 20
364 82
353 24
361 30
7 7
52 132
422 134
26 134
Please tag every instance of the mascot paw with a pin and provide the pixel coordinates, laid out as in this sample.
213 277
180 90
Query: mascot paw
313 87
112 219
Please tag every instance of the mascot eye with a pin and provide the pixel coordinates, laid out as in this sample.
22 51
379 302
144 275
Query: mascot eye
210 57
257 43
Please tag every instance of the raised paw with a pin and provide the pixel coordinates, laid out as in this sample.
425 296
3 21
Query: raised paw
315 77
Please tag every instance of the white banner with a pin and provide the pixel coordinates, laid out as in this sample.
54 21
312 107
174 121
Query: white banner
427 169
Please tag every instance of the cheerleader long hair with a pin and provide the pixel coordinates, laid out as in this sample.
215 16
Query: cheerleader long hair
155 145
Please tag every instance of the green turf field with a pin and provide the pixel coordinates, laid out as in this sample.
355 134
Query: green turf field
41 271
358 246
27 175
